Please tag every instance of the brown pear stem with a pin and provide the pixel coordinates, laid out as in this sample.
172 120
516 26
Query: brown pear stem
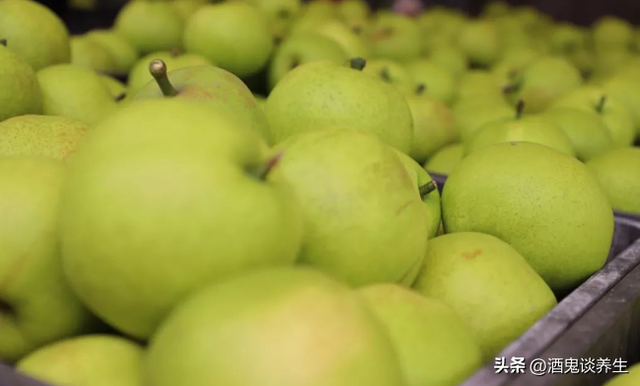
120 97
519 109
3 42
427 188
509 89
6 308
175 52
357 63
262 171
601 103
295 62
158 70
384 74
420 90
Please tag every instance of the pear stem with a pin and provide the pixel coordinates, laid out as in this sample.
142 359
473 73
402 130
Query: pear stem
262 171
158 70
421 89
3 42
358 63
519 109
511 88
427 188
175 52
120 97
601 103
6 308
384 74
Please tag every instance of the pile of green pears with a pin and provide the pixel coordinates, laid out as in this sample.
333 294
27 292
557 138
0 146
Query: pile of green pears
253 206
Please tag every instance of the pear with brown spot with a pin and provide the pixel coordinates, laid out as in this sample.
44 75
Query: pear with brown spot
488 283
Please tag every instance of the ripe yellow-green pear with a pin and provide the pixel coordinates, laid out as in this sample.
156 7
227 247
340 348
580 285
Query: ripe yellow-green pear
352 43
40 136
186 8
446 159
213 86
513 61
450 58
280 13
542 82
276 327
473 113
36 304
438 82
150 25
566 39
630 379
433 126
75 92
391 72
365 221
586 130
612 33
480 41
303 48
313 15
618 172
34 33
140 76
434 345
476 85
197 185
561 221
527 128
353 10
233 35
615 114
90 360
627 91
123 53
428 190
396 37
92 55
19 90
486 282
319 95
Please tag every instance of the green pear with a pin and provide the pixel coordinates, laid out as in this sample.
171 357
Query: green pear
542 82
74 92
542 202
123 53
300 49
150 25
34 33
391 72
217 88
449 57
318 95
611 63
566 39
627 91
40 136
140 76
90 360
274 327
36 304
186 8
445 159
586 130
617 171
615 114
528 128
480 42
464 270
612 33
117 89
280 13
396 37
477 85
513 62
433 126
428 192
234 36
365 219
197 185
353 10
352 43
438 81
313 15
434 345
630 379
473 113
92 55
19 90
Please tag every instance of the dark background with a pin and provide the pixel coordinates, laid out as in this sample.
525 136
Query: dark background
583 12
